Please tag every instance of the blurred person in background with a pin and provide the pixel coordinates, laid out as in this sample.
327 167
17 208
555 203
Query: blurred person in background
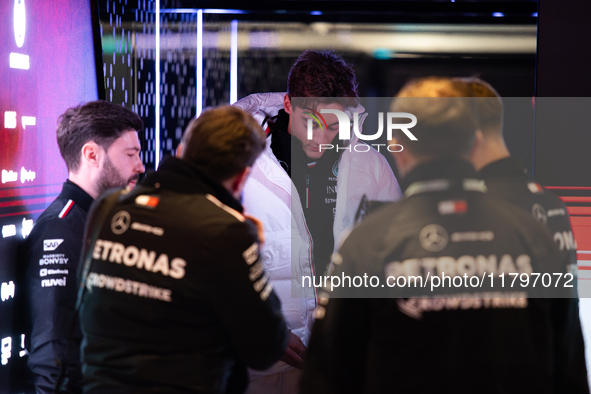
460 339
506 178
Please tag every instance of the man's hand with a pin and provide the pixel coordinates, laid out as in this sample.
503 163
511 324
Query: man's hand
259 226
295 352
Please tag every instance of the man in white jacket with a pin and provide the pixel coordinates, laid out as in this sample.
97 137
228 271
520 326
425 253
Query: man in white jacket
305 196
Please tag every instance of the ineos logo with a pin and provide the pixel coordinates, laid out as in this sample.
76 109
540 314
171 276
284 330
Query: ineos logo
120 222
433 238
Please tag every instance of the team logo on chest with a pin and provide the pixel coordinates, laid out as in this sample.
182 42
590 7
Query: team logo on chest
120 222
433 238
335 168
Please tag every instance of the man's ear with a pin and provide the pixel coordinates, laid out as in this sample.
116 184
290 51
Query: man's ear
287 104
402 159
239 181
92 154
179 149
476 151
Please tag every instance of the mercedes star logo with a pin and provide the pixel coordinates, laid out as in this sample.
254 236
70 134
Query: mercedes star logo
120 222
433 237
539 213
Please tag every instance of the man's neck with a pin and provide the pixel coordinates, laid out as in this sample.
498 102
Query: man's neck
84 182
492 150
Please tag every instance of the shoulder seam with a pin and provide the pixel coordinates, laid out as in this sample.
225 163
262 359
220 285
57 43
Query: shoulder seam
67 208
226 208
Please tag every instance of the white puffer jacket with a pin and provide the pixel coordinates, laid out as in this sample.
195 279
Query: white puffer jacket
270 196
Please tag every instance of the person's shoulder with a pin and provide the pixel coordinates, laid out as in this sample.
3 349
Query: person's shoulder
377 223
223 211
551 199
534 199
62 223
206 215
58 214
229 227
513 215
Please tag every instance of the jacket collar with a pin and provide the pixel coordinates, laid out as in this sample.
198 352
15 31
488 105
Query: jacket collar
72 191
440 175
181 176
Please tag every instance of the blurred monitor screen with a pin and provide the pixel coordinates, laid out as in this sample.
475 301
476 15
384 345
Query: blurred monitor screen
47 65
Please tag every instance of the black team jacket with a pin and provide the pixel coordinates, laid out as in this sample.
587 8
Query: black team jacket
460 339
176 298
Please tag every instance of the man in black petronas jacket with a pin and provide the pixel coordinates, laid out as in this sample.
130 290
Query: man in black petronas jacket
479 334
507 179
176 298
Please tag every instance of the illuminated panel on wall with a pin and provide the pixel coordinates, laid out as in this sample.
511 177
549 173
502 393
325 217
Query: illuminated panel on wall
46 66
578 203
233 61
158 93
199 107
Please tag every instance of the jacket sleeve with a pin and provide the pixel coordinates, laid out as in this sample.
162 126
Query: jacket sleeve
51 258
570 372
569 349
337 358
254 102
337 355
244 300
261 105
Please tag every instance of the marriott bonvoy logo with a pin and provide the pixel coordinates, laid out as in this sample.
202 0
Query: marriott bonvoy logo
392 123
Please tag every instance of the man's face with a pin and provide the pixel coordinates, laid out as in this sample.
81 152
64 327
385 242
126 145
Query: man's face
122 164
322 134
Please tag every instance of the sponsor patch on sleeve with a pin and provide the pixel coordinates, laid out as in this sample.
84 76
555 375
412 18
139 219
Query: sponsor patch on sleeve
251 254
226 208
256 271
451 207
534 187
147 201
266 291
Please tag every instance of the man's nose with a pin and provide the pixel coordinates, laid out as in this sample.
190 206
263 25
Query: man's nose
322 137
140 168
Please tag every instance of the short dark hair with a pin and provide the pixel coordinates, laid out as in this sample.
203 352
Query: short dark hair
223 141
446 117
98 121
489 104
322 74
